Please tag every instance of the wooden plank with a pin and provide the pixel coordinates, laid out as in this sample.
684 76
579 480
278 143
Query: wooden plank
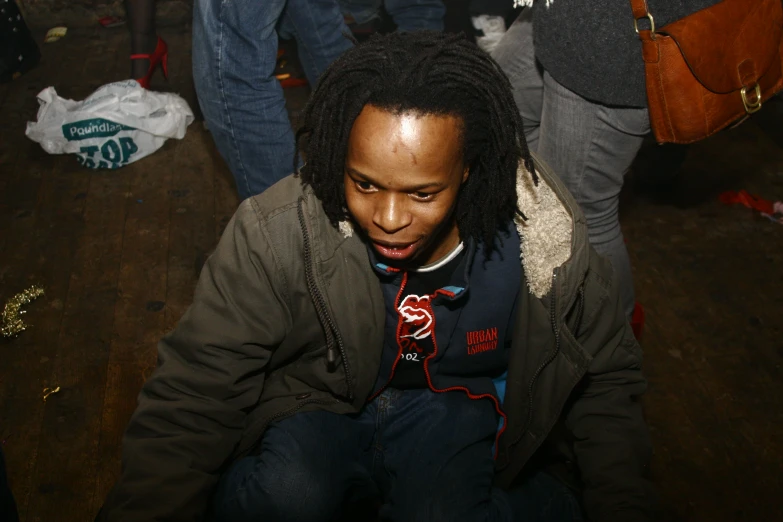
124 378
40 223
192 210
139 315
170 269
122 386
72 418
9 154
72 255
27 229
58 229
142 284
190 238
14 227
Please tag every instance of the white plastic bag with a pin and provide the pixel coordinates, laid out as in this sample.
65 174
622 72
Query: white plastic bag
118 124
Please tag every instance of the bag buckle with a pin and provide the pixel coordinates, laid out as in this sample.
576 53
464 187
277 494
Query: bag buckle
652 25
751 106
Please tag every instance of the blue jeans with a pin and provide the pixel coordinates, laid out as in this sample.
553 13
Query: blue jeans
589 146
234 59
424 456
408 15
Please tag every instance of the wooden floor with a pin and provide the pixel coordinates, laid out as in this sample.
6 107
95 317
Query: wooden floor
118 253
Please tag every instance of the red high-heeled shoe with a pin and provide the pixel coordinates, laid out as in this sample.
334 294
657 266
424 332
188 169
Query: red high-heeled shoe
159 57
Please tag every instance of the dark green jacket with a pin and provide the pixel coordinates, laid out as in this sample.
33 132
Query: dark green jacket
284 287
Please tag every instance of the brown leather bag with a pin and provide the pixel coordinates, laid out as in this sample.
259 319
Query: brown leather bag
712 68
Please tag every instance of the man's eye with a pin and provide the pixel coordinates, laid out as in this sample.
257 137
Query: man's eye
423 196
364 185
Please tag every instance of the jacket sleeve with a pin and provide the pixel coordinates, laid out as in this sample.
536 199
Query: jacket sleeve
612 443
210 371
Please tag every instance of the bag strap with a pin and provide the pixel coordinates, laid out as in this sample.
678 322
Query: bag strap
640 10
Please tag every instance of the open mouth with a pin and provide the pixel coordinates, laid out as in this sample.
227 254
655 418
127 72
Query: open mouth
396 251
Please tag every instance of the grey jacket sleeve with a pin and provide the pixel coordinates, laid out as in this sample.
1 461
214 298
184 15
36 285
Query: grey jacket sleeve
612 445
210 371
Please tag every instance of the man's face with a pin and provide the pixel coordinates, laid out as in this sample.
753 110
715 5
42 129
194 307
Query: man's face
402 177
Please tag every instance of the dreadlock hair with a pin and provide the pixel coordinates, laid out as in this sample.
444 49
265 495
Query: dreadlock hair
424 73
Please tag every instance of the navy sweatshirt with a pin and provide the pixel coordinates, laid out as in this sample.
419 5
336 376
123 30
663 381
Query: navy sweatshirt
472 321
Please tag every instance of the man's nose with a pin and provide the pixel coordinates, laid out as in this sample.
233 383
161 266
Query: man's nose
391 213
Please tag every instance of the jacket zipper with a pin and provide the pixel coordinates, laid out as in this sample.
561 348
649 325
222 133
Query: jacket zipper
330 329
580 311
399 327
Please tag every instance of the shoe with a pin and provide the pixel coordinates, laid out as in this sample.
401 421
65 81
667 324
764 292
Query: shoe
159 57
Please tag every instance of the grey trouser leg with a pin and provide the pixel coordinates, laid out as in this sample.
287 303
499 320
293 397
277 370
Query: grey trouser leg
588 145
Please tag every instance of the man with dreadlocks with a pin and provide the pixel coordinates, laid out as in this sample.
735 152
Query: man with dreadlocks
366 331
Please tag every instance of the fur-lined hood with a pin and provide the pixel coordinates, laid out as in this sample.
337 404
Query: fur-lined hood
554 234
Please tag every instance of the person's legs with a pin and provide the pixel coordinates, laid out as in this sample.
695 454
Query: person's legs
307 465
141 25
416 15
438 461
234 58
516 56
320 32
591 147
